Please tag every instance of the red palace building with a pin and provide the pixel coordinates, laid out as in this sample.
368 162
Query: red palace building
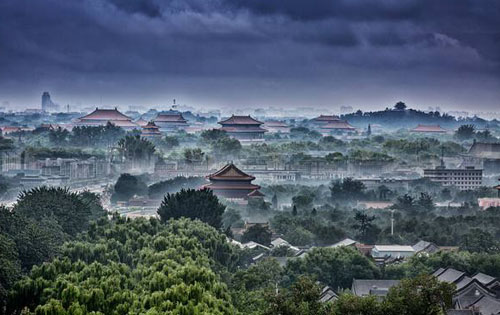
150 130
100 117
232 183
171 121
243 128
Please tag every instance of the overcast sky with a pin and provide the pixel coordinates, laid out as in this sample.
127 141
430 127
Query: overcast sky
249 53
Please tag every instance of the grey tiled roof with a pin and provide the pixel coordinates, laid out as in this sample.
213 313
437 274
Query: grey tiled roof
375 287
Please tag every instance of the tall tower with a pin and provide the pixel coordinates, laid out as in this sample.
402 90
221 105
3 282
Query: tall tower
46 102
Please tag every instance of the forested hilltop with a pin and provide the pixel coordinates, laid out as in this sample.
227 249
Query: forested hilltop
401 117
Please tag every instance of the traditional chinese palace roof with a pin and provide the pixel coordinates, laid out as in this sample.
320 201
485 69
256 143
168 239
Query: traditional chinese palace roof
326 118
141 122
102 116
151 129
485 150
240 120
428 128
231 182
256 193
170 118
230 172
338 125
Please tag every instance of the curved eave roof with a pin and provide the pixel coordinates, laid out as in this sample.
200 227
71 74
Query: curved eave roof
230 172
106 114
240 120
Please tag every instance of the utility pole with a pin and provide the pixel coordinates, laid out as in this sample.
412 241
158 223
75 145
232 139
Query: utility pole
392 222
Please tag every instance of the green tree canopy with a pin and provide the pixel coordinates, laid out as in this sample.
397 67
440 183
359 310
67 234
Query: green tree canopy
131 267
194 204
70 210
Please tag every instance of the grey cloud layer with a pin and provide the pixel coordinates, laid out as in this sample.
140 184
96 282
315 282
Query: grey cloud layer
98 43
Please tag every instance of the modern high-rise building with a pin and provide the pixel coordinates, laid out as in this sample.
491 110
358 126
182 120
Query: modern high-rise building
47 104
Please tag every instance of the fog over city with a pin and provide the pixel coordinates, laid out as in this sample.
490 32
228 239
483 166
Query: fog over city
250 157
221 53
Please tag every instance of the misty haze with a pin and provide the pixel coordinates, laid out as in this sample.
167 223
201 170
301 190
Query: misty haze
264 157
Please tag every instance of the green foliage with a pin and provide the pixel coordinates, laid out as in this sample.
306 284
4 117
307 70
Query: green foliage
365 227
336 267
257 233
299 236
87 136
131 267
304 133
6 144
213 135
59 136
226 146
194 204
171 142
301 227
465 132
363 155
160 189
479 241
135 148
302 298
69 210
303 201
424 295
400 106
264 274
470 263
52 153
348 189
10 266
127 186
192 156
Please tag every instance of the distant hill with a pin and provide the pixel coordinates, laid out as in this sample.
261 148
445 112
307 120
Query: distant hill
410 118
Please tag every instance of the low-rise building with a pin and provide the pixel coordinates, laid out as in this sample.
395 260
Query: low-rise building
378 288
394 251
468 178
243 128
428 129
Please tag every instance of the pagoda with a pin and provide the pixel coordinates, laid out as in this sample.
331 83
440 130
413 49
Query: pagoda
232 183
171 121
243 128
101 117
150 130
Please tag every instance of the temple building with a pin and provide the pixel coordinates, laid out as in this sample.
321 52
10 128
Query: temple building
337 127
275 126
243 128
151 130
171 121
428 129
100 117
232 183
324 119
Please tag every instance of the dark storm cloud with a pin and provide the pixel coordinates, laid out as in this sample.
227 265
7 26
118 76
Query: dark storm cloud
146 7
319 45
